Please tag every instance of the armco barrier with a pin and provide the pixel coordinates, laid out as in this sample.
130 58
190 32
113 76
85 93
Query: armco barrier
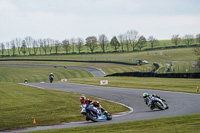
161 75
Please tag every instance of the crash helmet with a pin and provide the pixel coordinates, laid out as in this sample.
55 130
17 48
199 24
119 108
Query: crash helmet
145 95
51 73
82 99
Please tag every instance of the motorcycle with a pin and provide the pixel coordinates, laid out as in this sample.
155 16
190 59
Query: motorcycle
51 79
94 114
159 103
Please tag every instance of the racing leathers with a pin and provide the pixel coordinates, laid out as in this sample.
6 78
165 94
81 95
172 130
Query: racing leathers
95 104
149 100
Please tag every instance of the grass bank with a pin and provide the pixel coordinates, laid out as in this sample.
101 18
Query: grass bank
17 74
166 84
181 58
179 124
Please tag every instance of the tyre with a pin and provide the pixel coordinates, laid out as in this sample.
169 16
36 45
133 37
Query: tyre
108 115
159 105
166 106
92 116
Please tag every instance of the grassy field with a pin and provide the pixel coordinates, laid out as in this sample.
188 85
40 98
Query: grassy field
20 105
179 54
180 124
17 74
181 59
166 84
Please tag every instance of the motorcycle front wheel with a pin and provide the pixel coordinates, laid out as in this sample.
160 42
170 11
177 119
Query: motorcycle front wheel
92 116
159 105
108 115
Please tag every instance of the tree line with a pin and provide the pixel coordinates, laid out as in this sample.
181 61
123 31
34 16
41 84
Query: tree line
129 41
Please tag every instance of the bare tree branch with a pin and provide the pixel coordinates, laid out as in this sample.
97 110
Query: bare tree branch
121 38
153 41
79 44
29 43
2 48
103 41
35 46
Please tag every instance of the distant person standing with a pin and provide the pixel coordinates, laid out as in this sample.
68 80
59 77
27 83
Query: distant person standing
51 76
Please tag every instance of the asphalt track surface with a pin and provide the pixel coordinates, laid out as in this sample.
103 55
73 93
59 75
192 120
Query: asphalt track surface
179 103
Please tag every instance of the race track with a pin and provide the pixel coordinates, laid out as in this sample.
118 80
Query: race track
179 103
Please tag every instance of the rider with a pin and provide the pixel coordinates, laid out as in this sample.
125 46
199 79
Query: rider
148 99
91 102
51 76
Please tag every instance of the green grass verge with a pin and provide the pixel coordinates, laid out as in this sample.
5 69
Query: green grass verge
179 124
179 54
166 84
18 74
20 105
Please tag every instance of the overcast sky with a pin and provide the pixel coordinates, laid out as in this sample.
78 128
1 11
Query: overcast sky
64 19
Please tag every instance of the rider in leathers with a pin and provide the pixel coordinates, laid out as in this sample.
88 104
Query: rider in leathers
148 99
92 102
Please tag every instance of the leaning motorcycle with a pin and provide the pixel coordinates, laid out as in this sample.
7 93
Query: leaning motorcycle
94 114
51 79
159 103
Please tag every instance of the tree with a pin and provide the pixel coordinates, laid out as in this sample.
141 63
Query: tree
45 46
198 38
103 41
132 37
29 42
35 47
18 43
79 44
57 46
141 42
24 47
40 41
73 42
13 47
8 46
91 43
50 44
126 41
2 48
153 41
175 40
66 45
121 38
188 39
115 43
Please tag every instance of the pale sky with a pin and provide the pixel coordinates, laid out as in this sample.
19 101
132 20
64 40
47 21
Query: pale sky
64 19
